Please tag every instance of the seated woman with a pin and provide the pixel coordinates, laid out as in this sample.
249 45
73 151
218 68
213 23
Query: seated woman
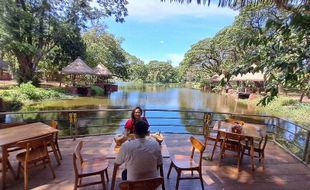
136 115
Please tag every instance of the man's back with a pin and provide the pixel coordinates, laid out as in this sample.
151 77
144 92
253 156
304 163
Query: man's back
142 156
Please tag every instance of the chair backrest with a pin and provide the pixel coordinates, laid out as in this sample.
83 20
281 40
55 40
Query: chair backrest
77 157
234 121
54 124
197 145
36 143
207 123
149 184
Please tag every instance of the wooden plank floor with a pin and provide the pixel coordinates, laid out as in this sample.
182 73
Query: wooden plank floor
282 171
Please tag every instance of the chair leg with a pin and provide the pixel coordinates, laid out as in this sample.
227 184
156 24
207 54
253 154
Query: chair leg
58 150
239 159
50 166
55 152
201 180
106 173
213 151
169 170
178 179
103 180
25 176
242 154
76 182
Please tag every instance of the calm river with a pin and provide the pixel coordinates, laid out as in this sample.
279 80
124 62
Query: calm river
147 97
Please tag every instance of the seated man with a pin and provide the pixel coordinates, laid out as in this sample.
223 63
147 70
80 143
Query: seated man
142 156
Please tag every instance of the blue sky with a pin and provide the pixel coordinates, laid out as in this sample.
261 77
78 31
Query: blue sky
163 31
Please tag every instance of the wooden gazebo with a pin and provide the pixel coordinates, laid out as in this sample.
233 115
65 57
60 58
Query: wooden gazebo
102 72
77 67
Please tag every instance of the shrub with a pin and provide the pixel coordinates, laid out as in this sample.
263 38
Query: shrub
96 90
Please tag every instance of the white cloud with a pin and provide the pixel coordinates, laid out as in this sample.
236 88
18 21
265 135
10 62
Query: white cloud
175 58
155 10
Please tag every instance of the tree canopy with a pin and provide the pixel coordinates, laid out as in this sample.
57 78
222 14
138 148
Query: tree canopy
31 29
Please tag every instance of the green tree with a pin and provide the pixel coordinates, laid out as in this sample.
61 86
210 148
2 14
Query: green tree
138 71
30 29
162 72
104 48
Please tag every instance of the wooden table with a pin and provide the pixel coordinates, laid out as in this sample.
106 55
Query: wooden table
10 136
250 132
113 151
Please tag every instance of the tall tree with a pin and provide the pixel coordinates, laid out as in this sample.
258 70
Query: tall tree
104 48
30 29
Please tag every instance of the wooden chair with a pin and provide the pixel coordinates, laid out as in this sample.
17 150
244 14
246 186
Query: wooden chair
85 168
57 154
36 153
187 163
149 184
231 142
209 135
259 147
234 121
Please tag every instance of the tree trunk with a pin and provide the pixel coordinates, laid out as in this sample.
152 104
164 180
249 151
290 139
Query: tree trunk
26 70
302 96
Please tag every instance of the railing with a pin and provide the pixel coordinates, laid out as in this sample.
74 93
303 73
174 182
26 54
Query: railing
74 123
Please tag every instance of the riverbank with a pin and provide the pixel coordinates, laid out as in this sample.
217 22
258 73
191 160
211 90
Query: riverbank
285 107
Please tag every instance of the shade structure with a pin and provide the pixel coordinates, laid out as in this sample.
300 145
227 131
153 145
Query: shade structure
102 70
255 77
78 67
217 78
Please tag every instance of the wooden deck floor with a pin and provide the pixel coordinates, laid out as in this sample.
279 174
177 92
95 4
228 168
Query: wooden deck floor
282 171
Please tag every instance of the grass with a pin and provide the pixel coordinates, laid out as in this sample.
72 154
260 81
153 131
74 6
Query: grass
286 108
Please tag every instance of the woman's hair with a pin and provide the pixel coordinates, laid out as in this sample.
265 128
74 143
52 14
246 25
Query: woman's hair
133 113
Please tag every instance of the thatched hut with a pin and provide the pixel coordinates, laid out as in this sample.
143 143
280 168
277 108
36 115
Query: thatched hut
254 77
77 67
102 72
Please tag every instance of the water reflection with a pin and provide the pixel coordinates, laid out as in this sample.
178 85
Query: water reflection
148 97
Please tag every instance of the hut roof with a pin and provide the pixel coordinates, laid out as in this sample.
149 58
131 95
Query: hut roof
259 76
102 70
78 67
217 77
3 65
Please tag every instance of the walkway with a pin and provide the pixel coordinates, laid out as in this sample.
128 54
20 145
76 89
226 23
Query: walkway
282 171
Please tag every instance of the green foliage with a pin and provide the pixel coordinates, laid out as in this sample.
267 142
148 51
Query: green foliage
138 71
286 107
96 90
31 29
26 92
161 72
104 48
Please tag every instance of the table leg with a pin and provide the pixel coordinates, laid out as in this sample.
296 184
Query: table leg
4 165
215 144
252 153
114 176
161 168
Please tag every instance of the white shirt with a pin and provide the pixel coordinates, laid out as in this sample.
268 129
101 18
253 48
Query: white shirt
141 156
